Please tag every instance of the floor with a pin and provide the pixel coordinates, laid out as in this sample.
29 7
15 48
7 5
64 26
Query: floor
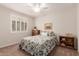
61 51
15 51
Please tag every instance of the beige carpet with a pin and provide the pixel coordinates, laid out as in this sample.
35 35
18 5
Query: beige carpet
14 51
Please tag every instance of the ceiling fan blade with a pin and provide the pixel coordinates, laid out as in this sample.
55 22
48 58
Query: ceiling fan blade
45 8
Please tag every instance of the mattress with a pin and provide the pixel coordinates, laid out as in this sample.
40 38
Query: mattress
39 39
38 45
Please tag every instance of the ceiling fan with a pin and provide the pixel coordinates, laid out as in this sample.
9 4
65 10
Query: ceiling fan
37 7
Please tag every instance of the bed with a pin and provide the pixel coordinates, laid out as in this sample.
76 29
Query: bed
40 45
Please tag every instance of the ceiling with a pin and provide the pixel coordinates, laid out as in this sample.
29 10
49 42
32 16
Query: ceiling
24 8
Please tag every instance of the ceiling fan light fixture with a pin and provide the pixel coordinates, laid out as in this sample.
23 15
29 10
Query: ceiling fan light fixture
36 9
37 6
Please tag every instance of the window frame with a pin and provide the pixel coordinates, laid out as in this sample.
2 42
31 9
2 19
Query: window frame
18 19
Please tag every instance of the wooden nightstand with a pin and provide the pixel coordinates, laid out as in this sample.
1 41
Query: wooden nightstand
66 41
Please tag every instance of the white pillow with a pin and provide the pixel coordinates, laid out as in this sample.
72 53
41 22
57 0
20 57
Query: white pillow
44 33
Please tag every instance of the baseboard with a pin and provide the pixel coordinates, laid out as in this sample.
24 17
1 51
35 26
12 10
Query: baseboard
3 46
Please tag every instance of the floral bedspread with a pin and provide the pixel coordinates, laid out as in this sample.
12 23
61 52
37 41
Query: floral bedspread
38 45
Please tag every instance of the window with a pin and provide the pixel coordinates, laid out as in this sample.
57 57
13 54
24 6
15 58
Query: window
25 26
13 25
18 24
22 26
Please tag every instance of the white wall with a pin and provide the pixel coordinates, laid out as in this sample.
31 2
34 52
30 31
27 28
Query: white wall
78 24
6 37
63 20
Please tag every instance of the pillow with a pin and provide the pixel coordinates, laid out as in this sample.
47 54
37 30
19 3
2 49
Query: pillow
51 34
44 33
